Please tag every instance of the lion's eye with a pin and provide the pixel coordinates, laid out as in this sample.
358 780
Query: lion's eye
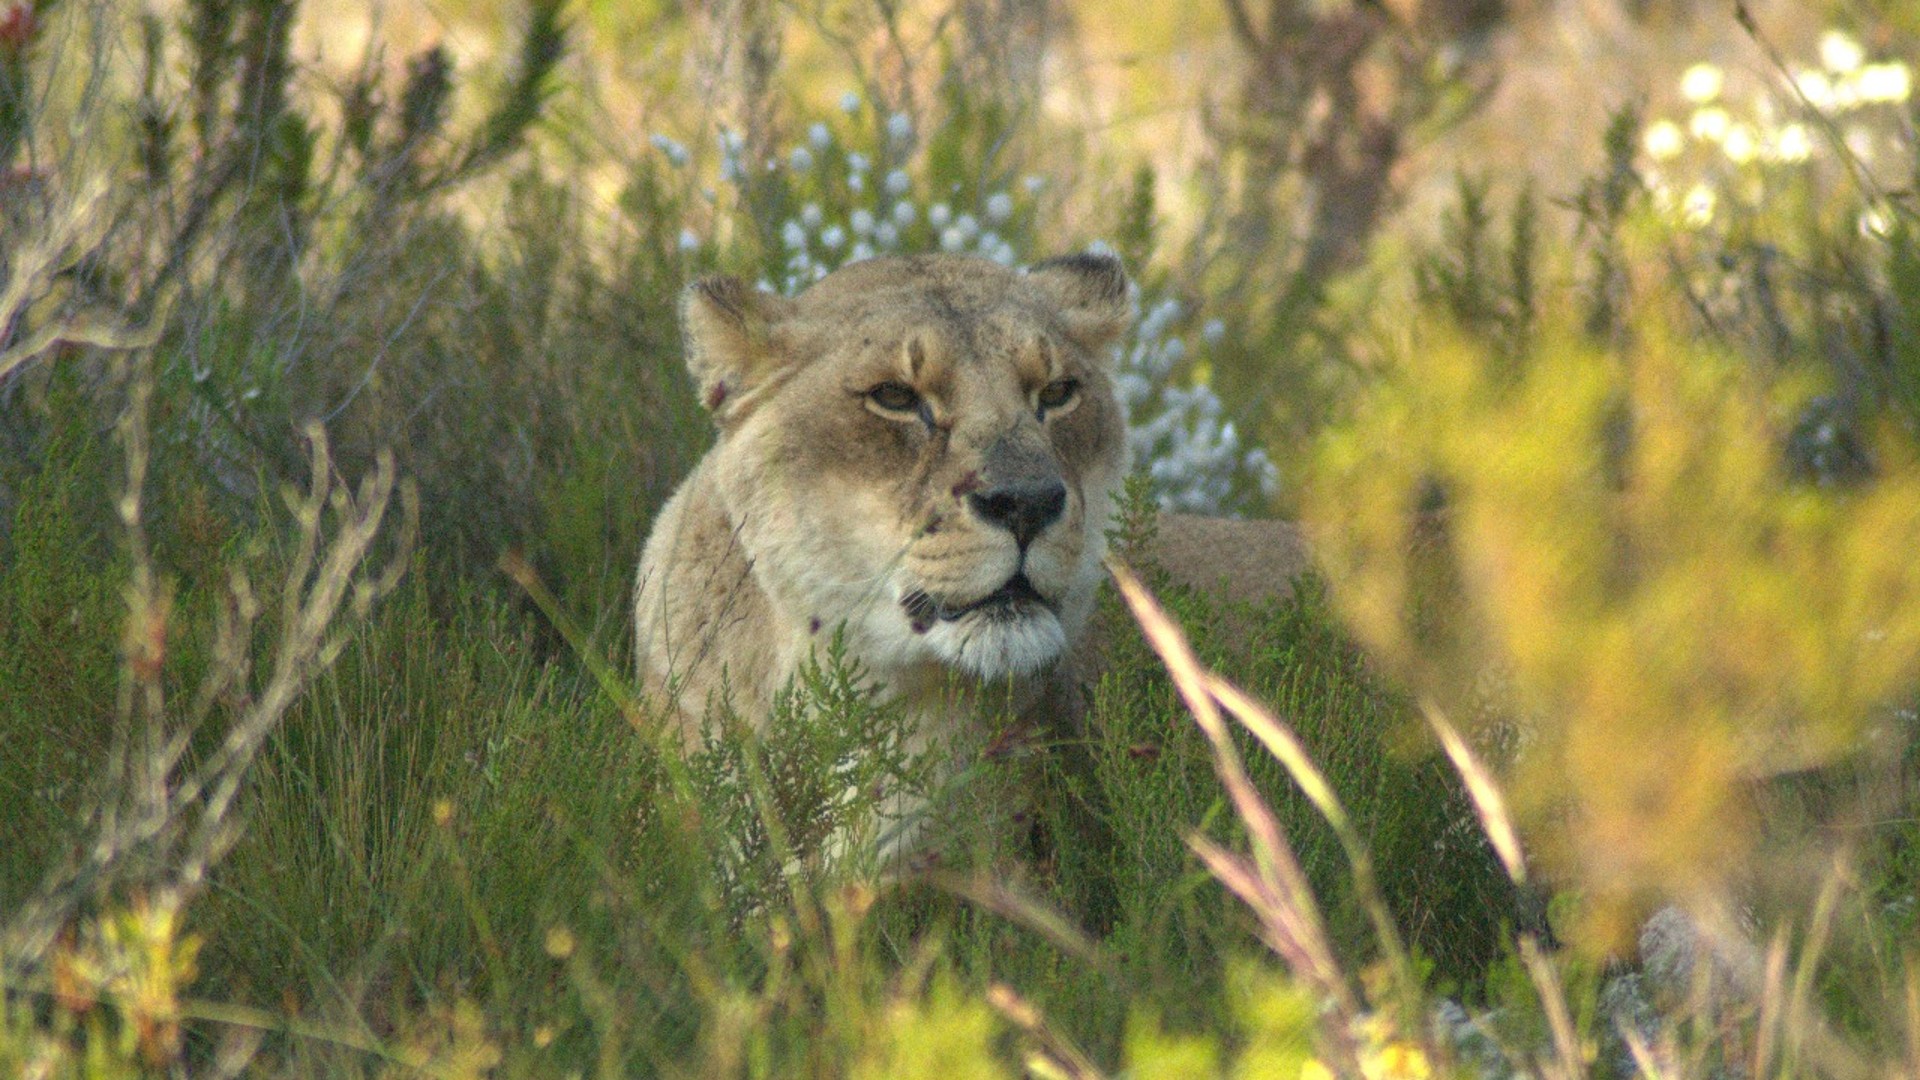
1058 394
894 397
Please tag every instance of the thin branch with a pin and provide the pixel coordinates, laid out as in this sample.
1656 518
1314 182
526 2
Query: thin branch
1242 24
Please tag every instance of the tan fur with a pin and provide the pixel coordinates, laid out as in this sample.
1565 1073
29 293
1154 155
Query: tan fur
1242 560
820 507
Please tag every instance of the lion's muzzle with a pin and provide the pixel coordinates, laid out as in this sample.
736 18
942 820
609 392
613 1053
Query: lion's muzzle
1021 489
1023 508
1014 599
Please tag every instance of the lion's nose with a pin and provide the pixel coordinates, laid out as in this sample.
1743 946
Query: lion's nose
1023 507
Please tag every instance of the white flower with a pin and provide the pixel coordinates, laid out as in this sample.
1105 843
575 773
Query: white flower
1815 87
951 240
1000 252
792 235
1710 123
1793 144
999 207
898 182
819 136
1213 332
833 237
1157 363
688 241
1697 208
1741 144
1101 247
885 235
849 103
904 213
861 221
1262 467
1859 142
856 183
1890 83
1702 83
900 127
858 162
1663 140
676 154
1156 319
861 250
800 159
969 227
1839 52
810 215
939 215
1033 183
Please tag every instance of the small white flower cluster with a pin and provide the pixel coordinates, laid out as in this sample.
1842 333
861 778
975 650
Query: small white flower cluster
1730 155
1845 81
1194 458
675 153
858 209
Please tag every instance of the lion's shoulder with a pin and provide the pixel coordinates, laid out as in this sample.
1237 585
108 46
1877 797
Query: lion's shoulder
1254 560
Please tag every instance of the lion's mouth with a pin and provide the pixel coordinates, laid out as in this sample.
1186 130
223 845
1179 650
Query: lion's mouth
1005 602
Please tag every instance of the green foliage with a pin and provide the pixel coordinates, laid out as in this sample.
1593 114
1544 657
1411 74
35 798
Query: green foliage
1606 595
472 799
1563 520
300 238
115 1005
60 613
948 1035
830 766
1146 780
1481 288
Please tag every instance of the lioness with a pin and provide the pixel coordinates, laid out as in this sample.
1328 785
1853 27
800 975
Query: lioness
922 452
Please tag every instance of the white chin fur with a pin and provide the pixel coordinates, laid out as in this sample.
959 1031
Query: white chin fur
988 648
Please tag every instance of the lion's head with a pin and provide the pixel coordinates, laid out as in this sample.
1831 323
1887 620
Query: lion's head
921 450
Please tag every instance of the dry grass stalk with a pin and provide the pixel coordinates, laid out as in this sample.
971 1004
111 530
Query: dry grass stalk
1488 804
1272 883
1284 745
159 822
1567 1062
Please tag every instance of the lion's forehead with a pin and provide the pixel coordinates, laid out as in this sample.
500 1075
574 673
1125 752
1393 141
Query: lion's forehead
960 279
980 329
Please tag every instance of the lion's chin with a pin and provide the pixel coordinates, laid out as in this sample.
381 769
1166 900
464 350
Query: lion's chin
996 643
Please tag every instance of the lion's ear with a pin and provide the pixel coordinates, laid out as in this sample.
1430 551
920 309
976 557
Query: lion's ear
732 336
1091 293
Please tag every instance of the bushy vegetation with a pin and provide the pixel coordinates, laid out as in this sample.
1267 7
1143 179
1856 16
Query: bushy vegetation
334 407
